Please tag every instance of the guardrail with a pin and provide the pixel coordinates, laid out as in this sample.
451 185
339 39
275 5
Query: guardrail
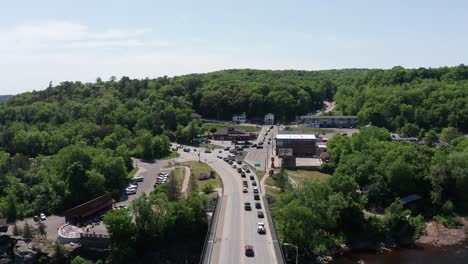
274 235
210 235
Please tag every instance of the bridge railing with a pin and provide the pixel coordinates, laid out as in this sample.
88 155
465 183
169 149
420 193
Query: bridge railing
211 233
274 235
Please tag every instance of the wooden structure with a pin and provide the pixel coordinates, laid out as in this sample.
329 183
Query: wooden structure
88 209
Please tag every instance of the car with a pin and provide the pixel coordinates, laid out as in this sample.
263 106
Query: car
252 177
163 174
253 146
255 189
247 206
254 183
230 162
260 214
132 186
234 166
243 174
186 150
36 218
245 183
247 169
231 156
226 159
256 197
259 147
269 143
245 190
271 127
219 157
139 178
249 251
260 144
239 170
261 228
43 217
227 148
239 162
130 191
258 205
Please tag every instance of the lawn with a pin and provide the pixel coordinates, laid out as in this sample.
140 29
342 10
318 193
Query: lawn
132 173
199 167
172 155
208 126
302 175
270 181
260 174
179 174
275 193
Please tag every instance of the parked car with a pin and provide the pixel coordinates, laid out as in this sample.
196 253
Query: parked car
239 162
258 205
252 177
36 218
249 251
132 186
245 190
207 151
260 214
131 191
243 174
43 217
247 206
138 178
227 148
261 228
186 150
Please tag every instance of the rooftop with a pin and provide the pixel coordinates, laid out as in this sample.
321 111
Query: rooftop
325 117
296 136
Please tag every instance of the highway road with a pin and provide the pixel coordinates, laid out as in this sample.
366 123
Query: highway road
236 227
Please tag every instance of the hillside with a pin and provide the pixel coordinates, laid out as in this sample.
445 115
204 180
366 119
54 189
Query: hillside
83 134
5 97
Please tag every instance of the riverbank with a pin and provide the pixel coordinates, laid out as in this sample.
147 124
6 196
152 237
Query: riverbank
438 235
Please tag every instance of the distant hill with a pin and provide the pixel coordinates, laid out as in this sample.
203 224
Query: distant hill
5 97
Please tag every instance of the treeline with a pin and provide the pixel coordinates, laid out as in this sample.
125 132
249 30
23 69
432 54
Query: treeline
359 206
162 231
411 101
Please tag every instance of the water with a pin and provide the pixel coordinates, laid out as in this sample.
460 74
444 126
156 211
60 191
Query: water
423 254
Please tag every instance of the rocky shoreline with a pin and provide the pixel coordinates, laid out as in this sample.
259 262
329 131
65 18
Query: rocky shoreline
438 235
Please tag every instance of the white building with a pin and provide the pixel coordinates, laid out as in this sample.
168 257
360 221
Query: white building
239 118
269 119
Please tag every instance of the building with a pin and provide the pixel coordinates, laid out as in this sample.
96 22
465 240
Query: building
231 133
269 119
329 121
297 145
88 209
242 118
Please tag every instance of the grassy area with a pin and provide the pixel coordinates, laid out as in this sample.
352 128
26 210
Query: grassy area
302 175
273 192
172 155
199 167
132 173
179 174
260 174
209 126
269 181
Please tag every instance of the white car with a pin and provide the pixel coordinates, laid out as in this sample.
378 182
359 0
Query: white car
43 217
130 191
244 189
255 189
132 186
261 228
139 178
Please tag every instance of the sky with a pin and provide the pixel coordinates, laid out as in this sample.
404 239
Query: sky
67 40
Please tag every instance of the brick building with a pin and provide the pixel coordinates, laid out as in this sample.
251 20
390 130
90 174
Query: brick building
302 145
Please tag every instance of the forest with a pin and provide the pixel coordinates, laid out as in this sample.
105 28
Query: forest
81 136
359 205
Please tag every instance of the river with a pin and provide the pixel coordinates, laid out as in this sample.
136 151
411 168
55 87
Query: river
427 254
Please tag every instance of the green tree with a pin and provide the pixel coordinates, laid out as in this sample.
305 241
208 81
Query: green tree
402 227
449 133
122 231
27 231
42 229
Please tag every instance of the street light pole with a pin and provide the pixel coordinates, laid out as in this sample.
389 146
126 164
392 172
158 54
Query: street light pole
297 249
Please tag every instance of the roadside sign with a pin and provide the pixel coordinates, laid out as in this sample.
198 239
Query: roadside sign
257 165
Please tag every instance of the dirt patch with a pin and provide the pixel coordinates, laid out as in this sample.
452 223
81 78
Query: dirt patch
438 235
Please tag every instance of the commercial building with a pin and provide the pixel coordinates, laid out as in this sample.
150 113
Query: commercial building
329 121
88 209
231 133
241 118
269 119
297 145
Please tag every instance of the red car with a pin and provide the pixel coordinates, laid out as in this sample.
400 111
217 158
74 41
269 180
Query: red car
249 251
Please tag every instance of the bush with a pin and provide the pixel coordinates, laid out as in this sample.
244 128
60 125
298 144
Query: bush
448 221
208 188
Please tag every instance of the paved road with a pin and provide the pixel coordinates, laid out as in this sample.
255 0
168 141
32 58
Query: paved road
236 227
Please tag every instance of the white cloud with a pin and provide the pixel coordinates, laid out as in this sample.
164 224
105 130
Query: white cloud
53 35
